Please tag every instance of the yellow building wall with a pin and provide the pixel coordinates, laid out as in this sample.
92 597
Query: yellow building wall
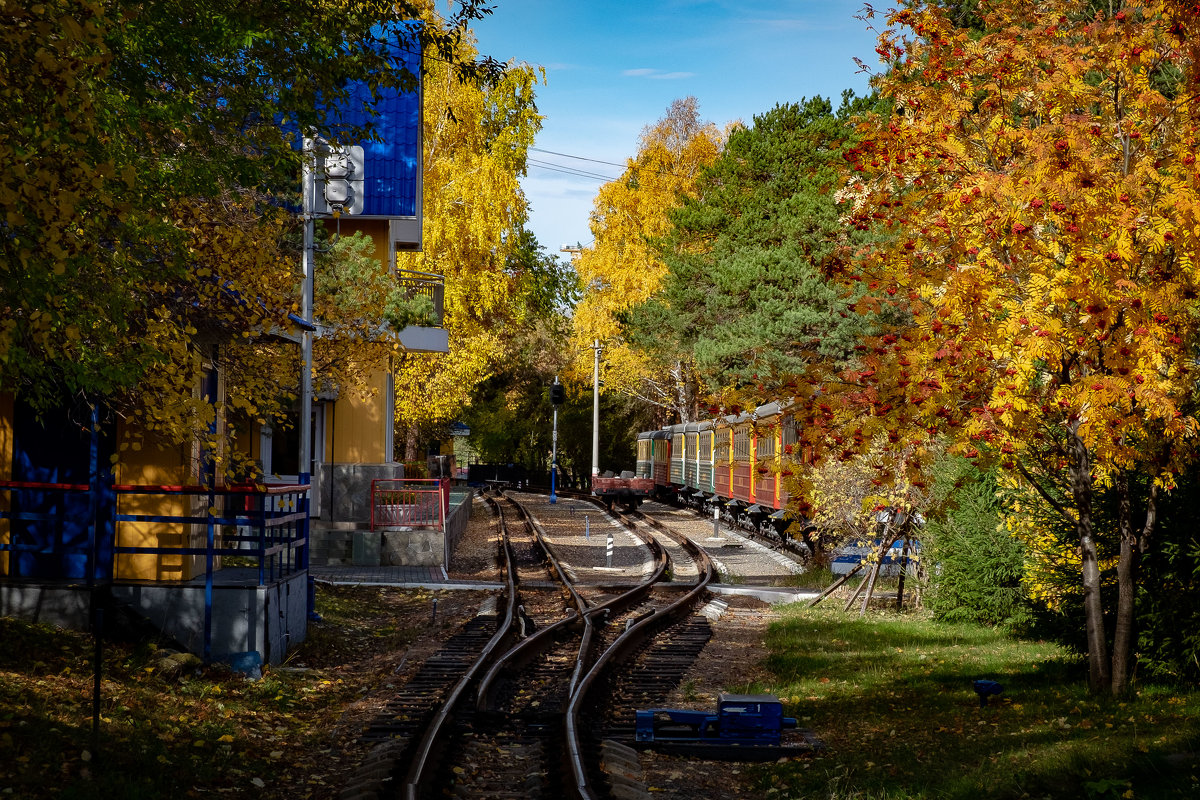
6 459
152 464
377 229
354 432
355 427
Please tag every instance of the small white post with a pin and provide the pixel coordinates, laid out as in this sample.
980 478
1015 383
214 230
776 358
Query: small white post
608 562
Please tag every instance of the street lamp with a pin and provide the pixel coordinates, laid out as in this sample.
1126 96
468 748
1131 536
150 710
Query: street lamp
557 395
596 410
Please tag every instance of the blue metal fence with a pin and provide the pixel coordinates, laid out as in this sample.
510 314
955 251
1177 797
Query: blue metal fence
267 524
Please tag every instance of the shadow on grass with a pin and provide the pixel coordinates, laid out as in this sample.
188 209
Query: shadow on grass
891 697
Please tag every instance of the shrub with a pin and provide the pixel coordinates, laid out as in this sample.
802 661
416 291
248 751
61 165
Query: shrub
976 564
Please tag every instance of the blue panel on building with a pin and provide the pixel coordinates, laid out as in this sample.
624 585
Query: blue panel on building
393 163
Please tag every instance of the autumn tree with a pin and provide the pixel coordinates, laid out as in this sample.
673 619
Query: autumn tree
476 140
509 412
147 160
623 268
1039 185
849 495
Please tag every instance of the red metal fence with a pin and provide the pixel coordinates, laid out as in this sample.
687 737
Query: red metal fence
409 503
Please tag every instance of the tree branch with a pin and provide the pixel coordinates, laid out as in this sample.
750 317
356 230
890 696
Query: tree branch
1054 504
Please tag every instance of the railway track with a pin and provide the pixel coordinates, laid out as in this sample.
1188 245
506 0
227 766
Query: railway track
497 712
639 668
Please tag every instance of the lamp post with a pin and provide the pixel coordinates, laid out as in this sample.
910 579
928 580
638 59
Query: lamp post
596 410
306 361
556 397
306 313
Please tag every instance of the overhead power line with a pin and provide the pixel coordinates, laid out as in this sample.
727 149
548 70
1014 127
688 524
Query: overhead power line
570 170
577 158
566 170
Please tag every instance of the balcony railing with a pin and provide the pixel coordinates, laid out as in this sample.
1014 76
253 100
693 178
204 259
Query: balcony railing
99 533
427 284
59 530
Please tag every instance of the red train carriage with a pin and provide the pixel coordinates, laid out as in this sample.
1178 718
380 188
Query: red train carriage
740 463
626 490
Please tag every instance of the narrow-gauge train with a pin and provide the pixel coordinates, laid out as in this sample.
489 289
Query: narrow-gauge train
737 464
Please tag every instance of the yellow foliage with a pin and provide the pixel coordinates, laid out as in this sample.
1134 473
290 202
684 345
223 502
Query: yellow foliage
476 140
621 268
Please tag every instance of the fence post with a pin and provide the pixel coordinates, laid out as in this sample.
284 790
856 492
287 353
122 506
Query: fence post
444 495
372 500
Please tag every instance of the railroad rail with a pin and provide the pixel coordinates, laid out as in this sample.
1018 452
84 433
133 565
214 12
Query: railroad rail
523 735
657 668
509 743
447 722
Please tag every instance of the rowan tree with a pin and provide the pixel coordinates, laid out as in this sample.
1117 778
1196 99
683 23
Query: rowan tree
1039 185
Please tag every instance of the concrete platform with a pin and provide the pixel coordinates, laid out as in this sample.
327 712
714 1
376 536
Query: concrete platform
409 577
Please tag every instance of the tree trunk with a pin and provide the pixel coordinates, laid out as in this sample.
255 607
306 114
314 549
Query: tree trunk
682 406
412 444
1099 675
1132 546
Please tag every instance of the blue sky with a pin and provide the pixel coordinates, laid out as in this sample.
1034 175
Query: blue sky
613 67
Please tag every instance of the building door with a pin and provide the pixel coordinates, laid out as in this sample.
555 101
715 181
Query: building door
55 451
281 453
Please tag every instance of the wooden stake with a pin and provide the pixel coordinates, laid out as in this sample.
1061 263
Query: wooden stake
903 571
861 585
834 587
885 545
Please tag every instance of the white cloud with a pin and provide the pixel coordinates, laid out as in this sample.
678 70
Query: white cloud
656 74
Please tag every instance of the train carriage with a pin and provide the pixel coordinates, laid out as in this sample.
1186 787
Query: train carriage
722 459
654 455
743 436
691 451
677 455
741 463
766 457
704 460
626 489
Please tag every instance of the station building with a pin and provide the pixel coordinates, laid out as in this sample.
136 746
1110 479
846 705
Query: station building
223 568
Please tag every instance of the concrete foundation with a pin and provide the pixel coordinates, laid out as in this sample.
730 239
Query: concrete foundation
350 543
269 619
402 547
345 489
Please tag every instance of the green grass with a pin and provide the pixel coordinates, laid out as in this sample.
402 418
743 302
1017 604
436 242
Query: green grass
891 698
